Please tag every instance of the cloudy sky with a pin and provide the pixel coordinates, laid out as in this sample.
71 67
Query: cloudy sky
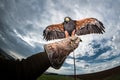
22 23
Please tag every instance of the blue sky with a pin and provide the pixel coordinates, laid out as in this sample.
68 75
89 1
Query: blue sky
22 23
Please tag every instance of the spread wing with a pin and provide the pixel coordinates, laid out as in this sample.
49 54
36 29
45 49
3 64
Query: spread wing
88 26
55 31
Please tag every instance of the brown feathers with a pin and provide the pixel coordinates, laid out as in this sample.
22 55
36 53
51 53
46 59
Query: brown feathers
55 31
84 26
88 26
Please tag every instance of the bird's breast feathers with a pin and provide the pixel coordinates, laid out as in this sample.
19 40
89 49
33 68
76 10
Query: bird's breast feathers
69 26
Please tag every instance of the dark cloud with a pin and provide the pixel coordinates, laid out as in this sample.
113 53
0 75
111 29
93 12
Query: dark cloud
13 15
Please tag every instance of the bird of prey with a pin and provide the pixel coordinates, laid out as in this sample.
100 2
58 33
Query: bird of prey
71 27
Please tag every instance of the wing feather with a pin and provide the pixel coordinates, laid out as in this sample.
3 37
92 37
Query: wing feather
55 31
89 26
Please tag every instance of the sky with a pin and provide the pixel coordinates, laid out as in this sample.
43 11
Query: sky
22 23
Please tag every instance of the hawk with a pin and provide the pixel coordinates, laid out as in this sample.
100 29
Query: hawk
71 27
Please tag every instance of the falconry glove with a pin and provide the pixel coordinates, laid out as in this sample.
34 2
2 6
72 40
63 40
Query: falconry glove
58 51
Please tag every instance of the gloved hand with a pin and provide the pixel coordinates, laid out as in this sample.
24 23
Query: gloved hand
58 51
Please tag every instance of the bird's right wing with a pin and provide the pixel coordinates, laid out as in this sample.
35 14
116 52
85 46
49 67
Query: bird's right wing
55 31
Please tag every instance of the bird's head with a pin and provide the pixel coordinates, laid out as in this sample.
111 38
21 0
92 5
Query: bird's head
67 19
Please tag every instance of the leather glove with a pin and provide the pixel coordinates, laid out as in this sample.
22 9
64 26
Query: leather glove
58 51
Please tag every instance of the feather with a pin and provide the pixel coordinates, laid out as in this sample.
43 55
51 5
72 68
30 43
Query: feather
82 27
55 31
89 26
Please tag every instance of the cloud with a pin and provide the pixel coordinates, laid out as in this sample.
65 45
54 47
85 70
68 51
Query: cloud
104 11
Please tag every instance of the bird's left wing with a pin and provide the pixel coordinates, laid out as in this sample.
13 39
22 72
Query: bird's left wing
88 26
55 31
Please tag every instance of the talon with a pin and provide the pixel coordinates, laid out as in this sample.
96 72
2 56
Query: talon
66 34
80 40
